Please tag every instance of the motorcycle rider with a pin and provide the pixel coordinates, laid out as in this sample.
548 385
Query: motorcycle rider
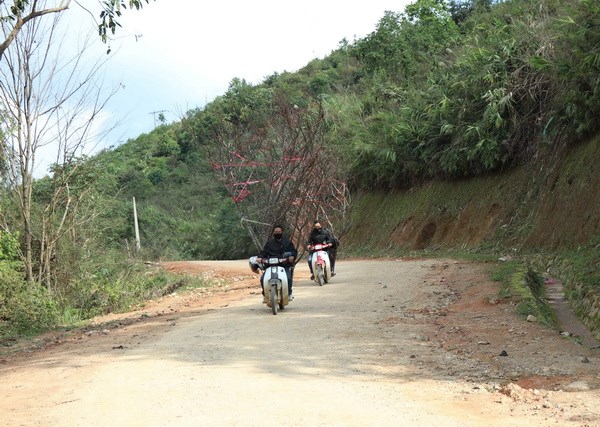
280 247
317 235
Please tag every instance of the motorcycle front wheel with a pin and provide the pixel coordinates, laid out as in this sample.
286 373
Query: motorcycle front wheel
320 275
274 299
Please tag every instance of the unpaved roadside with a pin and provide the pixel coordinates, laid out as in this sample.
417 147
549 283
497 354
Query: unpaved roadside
388 342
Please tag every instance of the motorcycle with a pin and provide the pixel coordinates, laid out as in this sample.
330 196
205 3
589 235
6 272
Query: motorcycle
274 281
320 262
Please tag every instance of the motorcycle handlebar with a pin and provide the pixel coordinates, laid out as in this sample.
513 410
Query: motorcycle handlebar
322 246
268 261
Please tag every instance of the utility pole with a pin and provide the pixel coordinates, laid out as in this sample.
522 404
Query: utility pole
137 229
154 113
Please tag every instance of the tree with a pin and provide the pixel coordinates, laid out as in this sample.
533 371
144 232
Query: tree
16 14
403 45
48 99
279 169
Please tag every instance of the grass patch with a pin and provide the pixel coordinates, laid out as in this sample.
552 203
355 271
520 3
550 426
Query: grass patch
26 310
579 272
526 287
394 251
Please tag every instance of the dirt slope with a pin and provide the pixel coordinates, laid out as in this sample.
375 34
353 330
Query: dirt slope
388 342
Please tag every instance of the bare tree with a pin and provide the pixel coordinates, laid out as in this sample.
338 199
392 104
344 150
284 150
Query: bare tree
282 172
51 102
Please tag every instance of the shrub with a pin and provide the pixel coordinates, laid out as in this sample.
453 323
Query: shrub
25 308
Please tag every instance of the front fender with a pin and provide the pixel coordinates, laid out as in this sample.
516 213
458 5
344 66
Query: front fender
275 276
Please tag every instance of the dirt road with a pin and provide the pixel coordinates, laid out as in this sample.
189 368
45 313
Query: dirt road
386 343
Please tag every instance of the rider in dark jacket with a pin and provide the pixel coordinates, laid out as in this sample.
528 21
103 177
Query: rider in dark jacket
322 235
281 247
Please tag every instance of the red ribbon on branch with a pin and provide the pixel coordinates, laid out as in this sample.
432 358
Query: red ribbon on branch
241 195
247 182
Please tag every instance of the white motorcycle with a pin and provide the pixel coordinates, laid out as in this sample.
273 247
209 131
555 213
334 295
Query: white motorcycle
320 262
274 281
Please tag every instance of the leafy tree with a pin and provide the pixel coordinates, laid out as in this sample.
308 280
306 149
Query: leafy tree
404 44
9 247
384 49
576 66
